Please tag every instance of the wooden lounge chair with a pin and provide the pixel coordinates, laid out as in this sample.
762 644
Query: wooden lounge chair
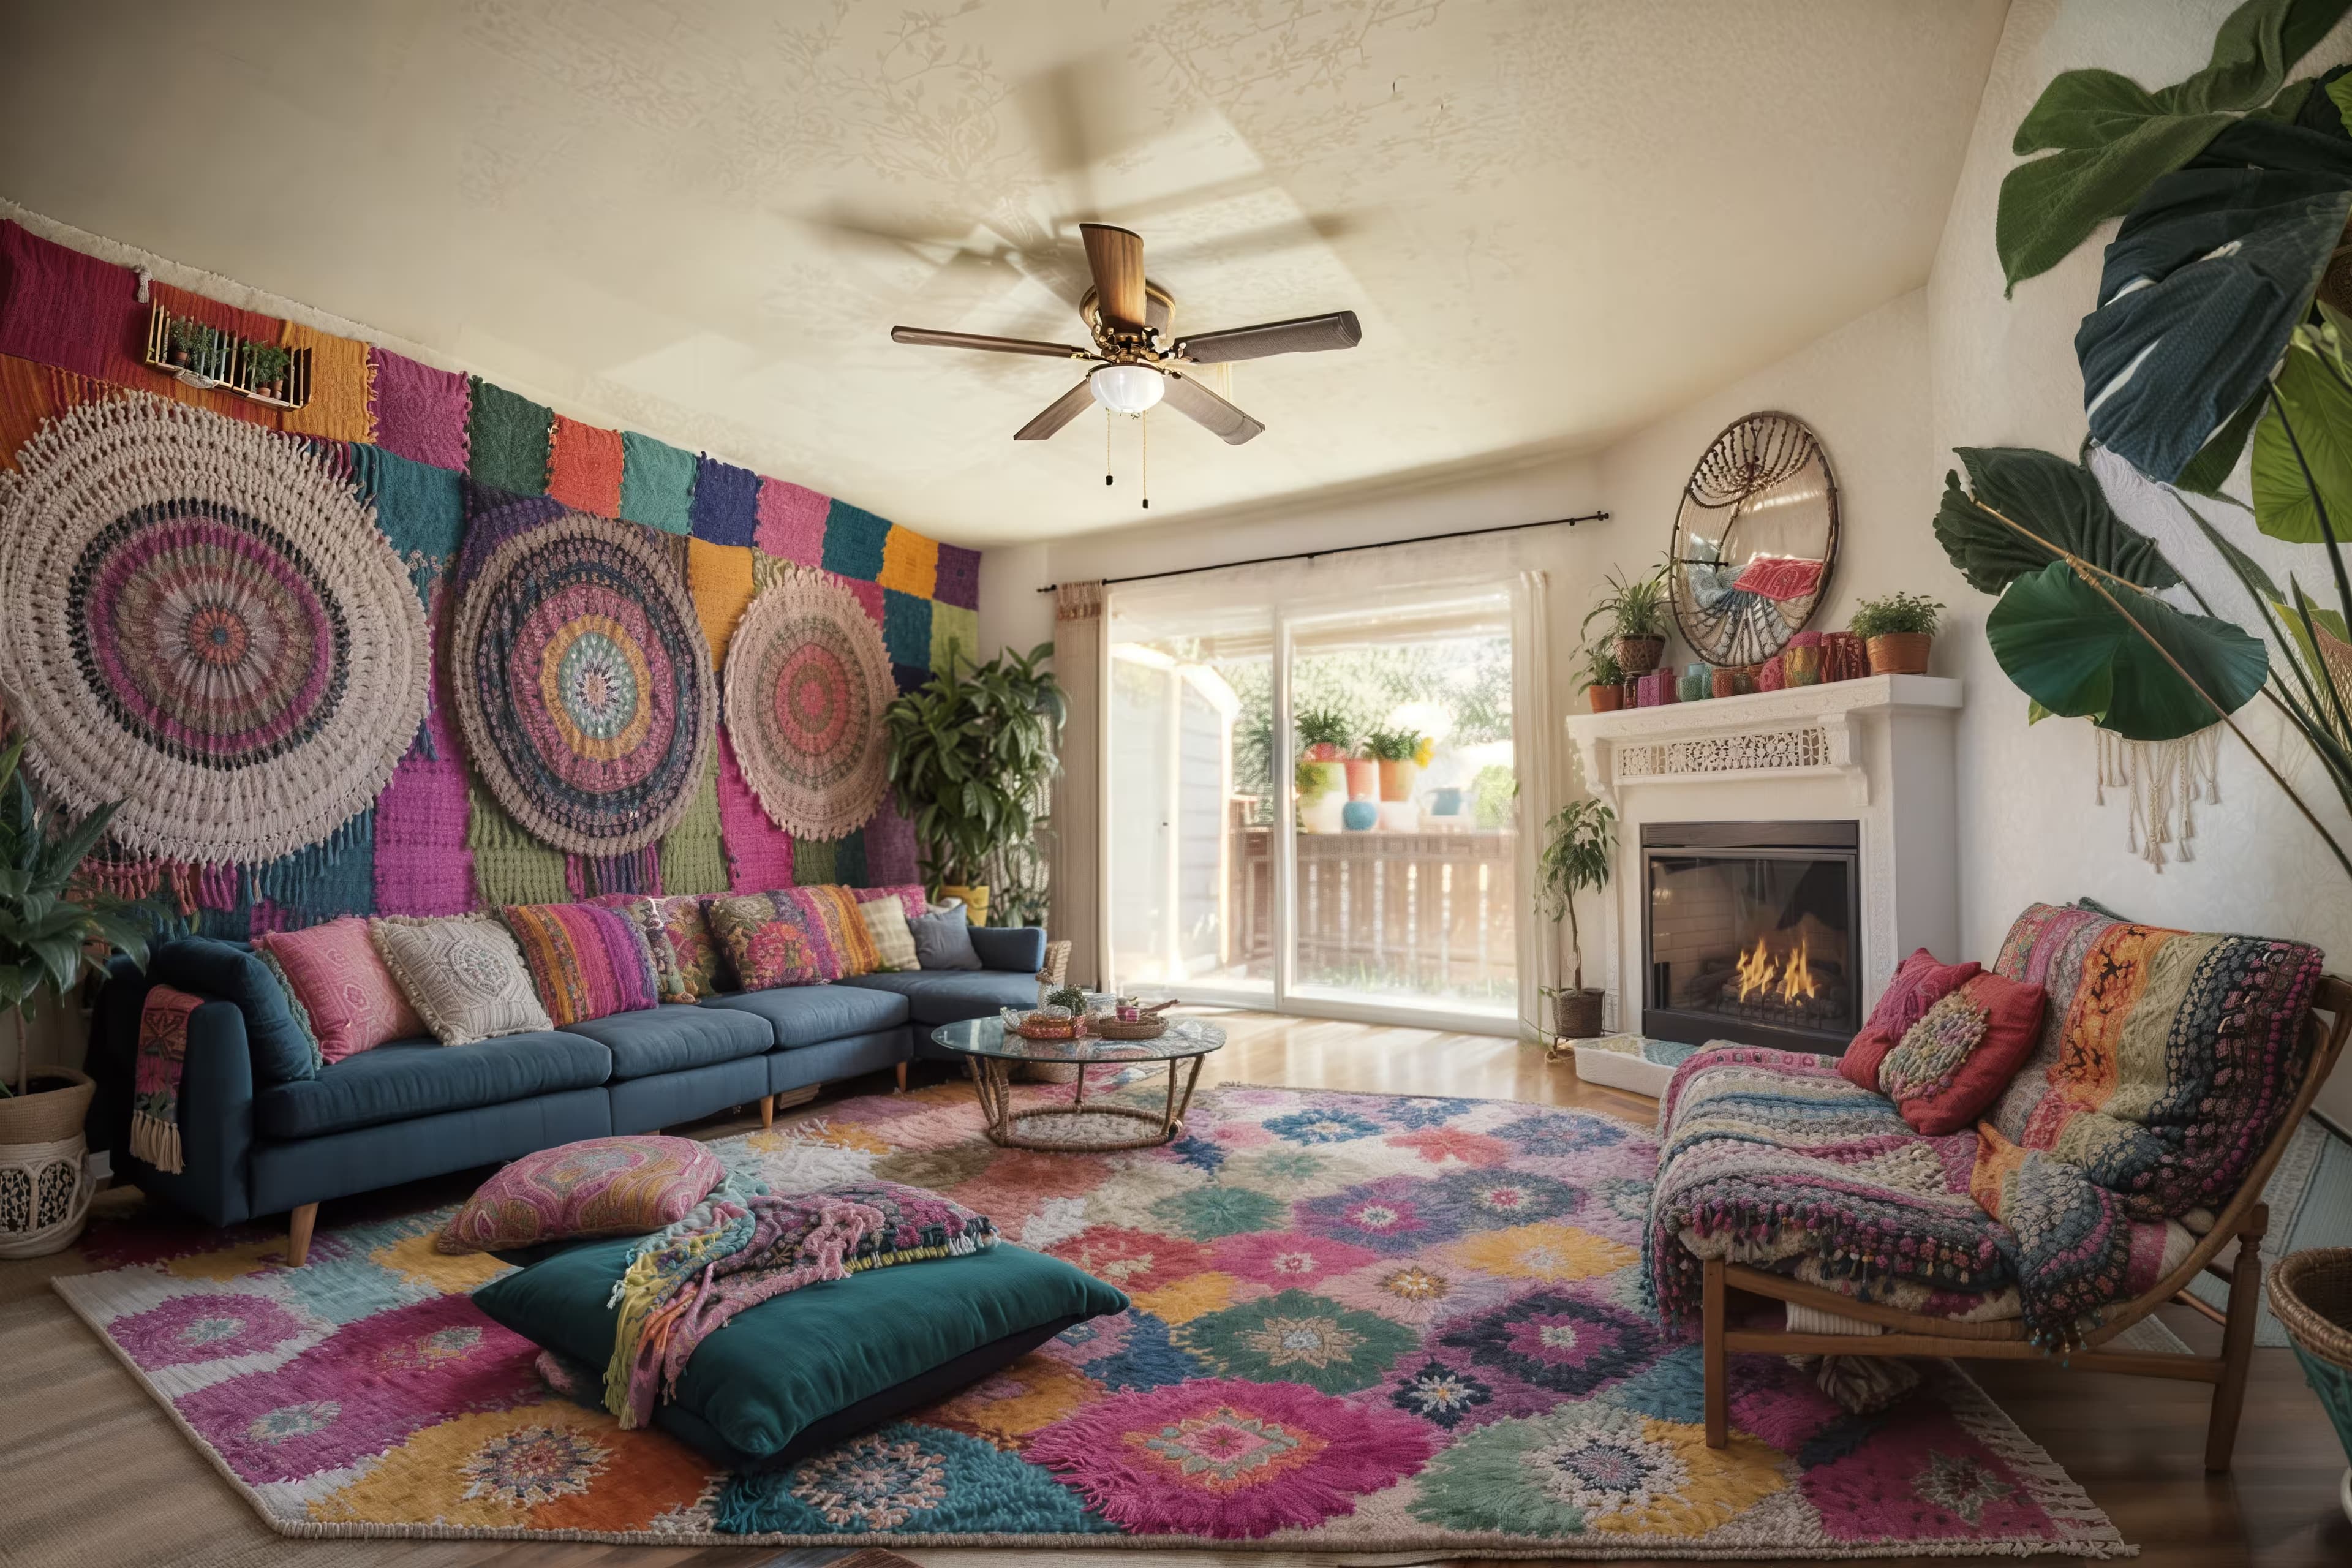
2245 1219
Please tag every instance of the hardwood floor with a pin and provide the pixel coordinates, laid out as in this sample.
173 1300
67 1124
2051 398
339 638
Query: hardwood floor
93 1475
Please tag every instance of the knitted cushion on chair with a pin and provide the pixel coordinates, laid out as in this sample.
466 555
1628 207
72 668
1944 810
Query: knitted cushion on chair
1919 982
1956 1060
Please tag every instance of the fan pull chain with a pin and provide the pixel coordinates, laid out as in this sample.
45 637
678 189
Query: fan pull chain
1107 424
1143 423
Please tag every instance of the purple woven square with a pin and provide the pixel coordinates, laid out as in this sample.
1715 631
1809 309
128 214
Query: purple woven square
792 522
421 413
959 577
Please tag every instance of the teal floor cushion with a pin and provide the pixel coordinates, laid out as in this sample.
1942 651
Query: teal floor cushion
796 1374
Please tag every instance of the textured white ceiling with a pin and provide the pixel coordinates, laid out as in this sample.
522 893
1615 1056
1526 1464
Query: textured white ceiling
1555 217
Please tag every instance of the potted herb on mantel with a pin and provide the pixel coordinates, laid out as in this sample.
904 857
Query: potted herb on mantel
1898 630
1577 843
1637 613
1605 690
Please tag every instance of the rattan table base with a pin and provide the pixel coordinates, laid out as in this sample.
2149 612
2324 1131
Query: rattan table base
1078 1128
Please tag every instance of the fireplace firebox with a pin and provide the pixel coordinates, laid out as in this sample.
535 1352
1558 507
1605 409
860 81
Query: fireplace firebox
1752 932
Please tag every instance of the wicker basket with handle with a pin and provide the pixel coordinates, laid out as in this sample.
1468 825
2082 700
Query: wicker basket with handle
2311 1292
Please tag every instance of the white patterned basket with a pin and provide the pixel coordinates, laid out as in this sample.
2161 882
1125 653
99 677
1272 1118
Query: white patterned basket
45 1192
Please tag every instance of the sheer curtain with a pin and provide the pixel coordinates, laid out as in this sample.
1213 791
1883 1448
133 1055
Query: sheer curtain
1080 663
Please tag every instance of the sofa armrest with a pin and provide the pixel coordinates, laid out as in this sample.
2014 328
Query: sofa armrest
1016 950
215 1109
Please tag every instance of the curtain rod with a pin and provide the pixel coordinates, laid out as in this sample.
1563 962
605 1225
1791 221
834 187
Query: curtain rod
1345 548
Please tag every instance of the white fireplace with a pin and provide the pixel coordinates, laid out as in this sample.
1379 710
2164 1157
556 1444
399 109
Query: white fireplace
1856 774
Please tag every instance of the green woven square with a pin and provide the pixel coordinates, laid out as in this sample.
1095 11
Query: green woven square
509 439
656 483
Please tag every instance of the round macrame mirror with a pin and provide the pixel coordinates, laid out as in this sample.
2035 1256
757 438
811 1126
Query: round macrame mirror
1755 540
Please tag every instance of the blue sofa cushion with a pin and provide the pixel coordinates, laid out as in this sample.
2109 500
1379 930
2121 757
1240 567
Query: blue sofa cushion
804 1014
1021 949
228 971
674 1037
950 996
418 1077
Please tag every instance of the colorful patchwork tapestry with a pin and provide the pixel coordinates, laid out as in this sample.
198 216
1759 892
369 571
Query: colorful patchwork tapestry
807 679
582 679
1360 1325
201 621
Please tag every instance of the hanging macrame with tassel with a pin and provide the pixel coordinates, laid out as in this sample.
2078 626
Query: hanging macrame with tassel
2163 780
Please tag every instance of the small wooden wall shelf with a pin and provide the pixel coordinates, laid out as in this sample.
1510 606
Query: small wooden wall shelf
205 357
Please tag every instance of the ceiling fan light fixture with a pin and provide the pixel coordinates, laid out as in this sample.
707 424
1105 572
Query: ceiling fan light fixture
1127 388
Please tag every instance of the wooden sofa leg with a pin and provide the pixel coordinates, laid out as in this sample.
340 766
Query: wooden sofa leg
901 1070
2237 1339
298 1234
1718 1397
767 1110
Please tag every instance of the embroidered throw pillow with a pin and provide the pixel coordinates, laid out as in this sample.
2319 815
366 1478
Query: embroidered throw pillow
586 961
894 944
1955 1061
943 940
600 1186
763 937
829 914
678 930
336 977
463 974
1919 982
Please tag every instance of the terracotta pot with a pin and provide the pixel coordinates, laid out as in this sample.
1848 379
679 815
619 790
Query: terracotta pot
1899 653
1639 655
1605 696
1578 1014
1363 779
52 1112
1397 778
975 902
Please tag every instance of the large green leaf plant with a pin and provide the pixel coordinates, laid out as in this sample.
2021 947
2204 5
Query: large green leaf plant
48 940
973 753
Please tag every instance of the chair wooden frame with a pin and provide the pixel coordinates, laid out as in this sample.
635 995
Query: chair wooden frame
2244 1220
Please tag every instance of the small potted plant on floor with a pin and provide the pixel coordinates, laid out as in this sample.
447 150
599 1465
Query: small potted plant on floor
1604 686
1577 843
1897 630
1637 612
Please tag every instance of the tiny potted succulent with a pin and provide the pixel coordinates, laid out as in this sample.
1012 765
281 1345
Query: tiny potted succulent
263 367
1605 690
1637 612
1400 754
1897 630
1577 843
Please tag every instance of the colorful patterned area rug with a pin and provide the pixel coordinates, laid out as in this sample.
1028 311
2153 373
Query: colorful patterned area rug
1362 1324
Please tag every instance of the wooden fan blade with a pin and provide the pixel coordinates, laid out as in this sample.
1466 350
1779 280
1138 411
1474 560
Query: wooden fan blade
1058 412
1197 403
980 341
1116 256
1308 334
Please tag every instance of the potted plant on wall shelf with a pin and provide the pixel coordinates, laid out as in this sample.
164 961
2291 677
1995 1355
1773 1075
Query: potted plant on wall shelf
47 941
1604 689
261 368
971 753
1579 841
1637 612
1898 630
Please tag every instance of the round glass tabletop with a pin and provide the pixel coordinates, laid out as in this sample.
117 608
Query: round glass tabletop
989 1037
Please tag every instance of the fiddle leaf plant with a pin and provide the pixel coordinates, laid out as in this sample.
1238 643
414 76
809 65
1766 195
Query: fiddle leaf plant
49 939
972 752
1577 843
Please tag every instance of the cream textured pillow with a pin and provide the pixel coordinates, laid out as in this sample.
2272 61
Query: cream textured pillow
894 942
463 974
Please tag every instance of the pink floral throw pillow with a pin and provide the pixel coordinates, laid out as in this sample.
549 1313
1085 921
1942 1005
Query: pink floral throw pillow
600 1186
766 937
337 979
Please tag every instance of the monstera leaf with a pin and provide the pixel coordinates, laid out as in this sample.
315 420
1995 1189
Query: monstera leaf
2058 500
2108 139
2205 282
2077 653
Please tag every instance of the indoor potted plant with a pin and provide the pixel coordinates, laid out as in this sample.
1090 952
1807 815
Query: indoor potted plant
1605 688
47 941
1637 612
1897 630
1577 843
971 753
262 369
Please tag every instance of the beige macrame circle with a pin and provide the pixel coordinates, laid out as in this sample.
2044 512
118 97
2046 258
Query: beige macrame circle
807 679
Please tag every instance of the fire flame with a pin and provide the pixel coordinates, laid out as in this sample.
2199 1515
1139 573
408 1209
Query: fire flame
1788 980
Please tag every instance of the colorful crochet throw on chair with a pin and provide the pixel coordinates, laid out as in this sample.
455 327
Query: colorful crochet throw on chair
2167 1060
741 1249
163 1053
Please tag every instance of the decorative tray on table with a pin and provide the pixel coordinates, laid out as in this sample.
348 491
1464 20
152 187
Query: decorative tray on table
1101 1020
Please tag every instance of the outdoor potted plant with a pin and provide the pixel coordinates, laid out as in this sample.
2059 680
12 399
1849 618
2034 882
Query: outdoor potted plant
1402 754
1322 758
1577 843
1605 690
47 941
971 753
1897 629
1363 774
1637 612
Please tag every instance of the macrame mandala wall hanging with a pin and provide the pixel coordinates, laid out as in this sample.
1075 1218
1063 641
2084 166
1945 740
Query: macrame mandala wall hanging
200 619
807 679
582 678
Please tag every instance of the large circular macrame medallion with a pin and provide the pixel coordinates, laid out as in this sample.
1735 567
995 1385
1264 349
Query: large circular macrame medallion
199 618
807 679
583 683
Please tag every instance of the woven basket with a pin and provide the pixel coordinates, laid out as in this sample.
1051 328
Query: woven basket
1145 1028
44 1196
2312 1294
55 1109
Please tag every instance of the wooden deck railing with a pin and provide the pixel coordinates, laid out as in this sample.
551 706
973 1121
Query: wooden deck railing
1427 911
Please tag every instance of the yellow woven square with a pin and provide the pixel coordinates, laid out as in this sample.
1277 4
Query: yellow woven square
910 563
342 379
719 577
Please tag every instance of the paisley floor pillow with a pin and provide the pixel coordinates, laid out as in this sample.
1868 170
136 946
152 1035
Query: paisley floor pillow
597 1187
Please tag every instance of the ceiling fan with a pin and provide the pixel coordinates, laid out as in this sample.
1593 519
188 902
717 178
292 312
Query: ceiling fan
1137 365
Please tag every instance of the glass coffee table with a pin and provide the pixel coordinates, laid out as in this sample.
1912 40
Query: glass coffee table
993 1051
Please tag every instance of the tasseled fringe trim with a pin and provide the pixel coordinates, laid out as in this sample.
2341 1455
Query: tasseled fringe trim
155 1140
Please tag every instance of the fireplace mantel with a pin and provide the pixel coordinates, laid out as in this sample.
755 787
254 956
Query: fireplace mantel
1877 751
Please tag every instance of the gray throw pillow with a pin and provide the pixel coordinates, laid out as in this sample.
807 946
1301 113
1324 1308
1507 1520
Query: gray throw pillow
943 940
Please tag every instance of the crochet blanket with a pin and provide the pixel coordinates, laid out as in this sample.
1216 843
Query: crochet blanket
155 1083
741 1247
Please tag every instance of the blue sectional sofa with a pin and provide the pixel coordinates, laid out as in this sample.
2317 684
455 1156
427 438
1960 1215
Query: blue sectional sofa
254 1141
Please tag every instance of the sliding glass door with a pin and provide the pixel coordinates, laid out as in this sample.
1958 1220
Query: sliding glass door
1314 806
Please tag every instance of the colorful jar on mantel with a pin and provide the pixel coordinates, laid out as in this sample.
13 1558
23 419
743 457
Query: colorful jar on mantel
1697 683
1770 676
